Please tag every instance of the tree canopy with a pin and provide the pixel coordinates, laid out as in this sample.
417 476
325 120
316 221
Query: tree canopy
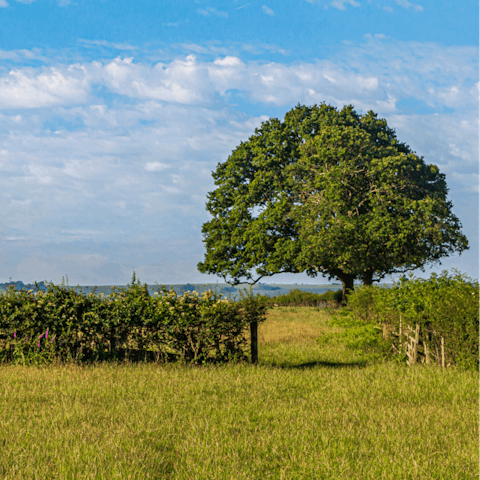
328 192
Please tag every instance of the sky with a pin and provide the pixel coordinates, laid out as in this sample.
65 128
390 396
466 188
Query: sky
114 113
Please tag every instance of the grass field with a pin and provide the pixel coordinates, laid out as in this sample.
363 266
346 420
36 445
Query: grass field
308 410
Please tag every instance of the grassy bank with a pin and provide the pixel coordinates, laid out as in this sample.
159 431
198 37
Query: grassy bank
309 410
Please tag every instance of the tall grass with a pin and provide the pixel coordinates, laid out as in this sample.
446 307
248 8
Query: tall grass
308 410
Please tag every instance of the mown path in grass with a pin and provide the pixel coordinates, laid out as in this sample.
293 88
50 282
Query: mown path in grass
309 410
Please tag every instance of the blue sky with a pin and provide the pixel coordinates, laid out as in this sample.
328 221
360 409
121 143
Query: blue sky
113 115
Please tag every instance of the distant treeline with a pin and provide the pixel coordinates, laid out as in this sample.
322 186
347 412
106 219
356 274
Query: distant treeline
300 298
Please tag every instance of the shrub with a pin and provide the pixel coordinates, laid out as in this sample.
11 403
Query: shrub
190 327
444 306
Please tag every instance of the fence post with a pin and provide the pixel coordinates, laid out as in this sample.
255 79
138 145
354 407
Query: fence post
415 345
400 334
427 351
254 341
442 346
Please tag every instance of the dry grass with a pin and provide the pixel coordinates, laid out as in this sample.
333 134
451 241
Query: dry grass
294 325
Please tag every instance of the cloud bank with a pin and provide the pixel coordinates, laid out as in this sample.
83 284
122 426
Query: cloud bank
106 164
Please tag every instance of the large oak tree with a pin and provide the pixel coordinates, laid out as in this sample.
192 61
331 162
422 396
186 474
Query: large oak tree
327 192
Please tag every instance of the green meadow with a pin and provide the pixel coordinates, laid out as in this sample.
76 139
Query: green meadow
310 409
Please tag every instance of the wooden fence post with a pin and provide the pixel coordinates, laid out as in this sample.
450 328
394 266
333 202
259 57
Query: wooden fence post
408 346
427 352
412 345
442 347
254 341
400 334
415 345
417 340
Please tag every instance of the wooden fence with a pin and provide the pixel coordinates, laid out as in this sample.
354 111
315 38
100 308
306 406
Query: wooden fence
420 347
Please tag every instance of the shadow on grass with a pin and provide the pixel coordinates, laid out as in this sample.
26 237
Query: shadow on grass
359 364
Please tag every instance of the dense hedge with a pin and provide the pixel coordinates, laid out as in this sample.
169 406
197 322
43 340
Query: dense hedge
64 324
444 306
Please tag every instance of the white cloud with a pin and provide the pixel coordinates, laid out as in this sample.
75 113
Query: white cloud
267 10
112 174
3 4
31 88
228 61
23 55
437 76
209 11
227 49
141 164
407 4
26 2
281 84
155 166
243 6
181 81
379 36
5 54
340 4
453 96
202 49
261 48
447 140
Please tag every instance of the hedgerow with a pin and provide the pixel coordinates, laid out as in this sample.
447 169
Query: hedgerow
442 312
129 324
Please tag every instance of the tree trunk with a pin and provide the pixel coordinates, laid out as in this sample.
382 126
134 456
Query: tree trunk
254 342
347 283
368 278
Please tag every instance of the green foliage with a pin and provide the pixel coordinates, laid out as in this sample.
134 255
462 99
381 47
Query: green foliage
299 298
356 334
253 307
443 305
368 302
327 191
192 328
364 338
334 296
